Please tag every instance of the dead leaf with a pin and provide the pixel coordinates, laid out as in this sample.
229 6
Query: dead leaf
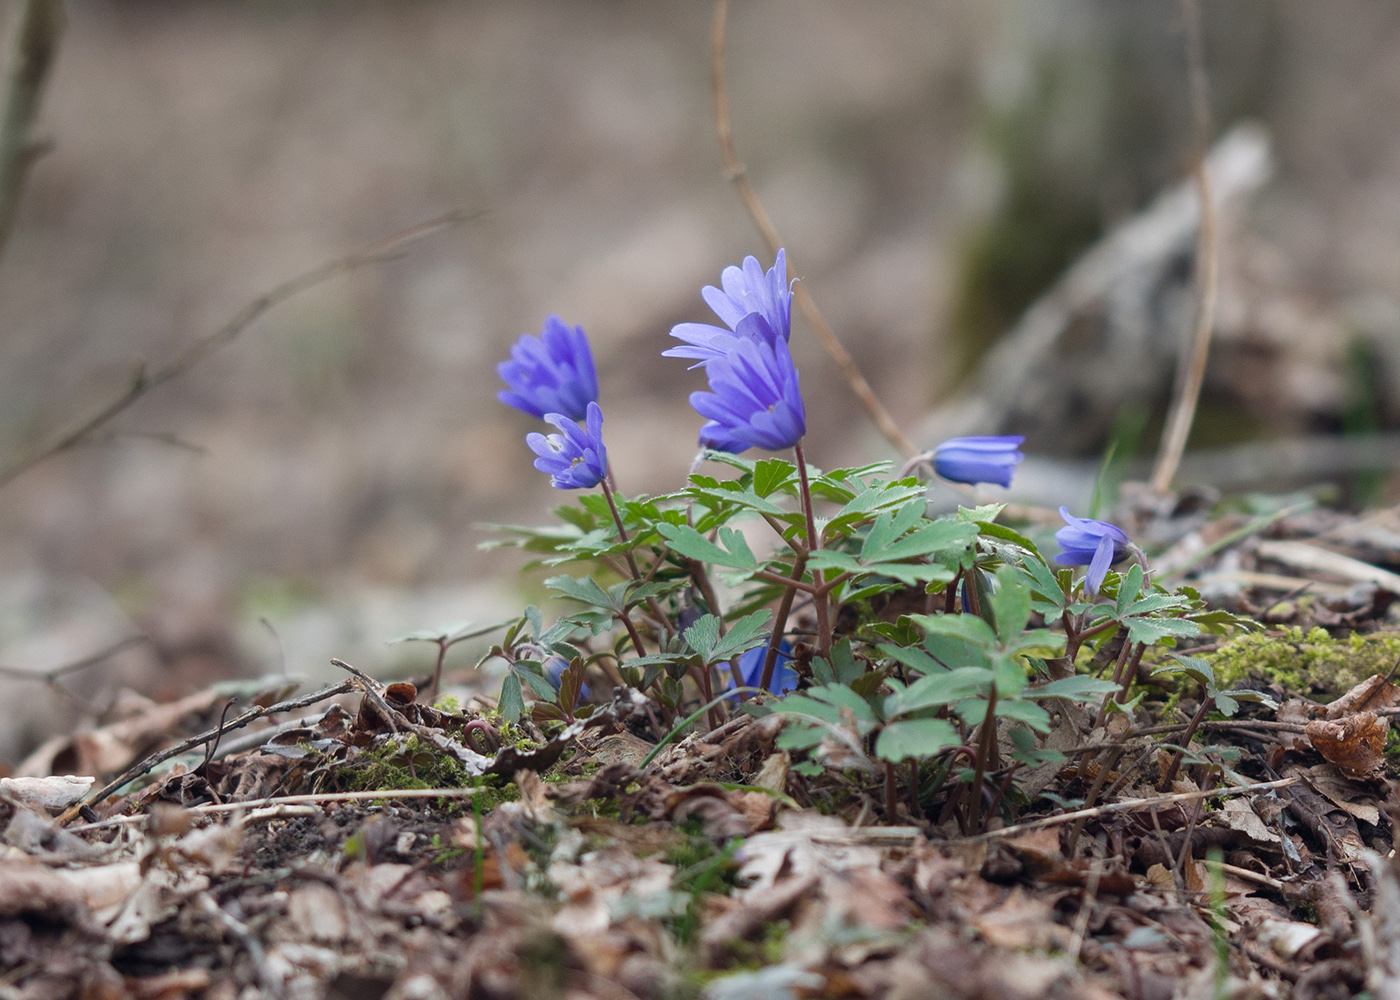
1238 814
1371 695
1022 922
1286 938
1343 793
57 791
1355 744
774 772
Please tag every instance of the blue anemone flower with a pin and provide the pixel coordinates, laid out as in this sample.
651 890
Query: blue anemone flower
551 373
753 304
751 669
975 460
554 667
1086 542
575 459
754 399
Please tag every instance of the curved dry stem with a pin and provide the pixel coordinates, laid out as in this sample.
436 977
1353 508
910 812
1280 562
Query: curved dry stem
1191 371
735 171
143 382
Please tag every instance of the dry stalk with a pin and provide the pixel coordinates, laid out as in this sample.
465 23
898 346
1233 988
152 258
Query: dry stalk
144 382
1191 371
736 172
33 49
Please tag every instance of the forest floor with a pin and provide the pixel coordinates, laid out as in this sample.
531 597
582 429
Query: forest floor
383 848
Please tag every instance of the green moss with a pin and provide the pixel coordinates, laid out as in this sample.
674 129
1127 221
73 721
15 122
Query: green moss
1306 663
405 763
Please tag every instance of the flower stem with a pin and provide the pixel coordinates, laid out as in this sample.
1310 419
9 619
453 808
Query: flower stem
654 607
1207 703
775 640
985 739
820 599
707 590
621 531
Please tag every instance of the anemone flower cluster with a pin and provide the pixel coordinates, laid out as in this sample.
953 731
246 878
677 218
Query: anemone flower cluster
553 377
754 399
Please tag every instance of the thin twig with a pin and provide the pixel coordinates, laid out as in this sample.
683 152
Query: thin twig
292 800
735 171
31 56
1191 371
256 712
91 660
1127 805
144 382
1086 906
371 688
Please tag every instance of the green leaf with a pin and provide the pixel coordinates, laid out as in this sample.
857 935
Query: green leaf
915 738
693 545
842 668
969 628
1027 712
512 704
1006 534
1156 602
1128 589
1152 630
937 536
985 512
771 474
743 635
934 690
584 590
1011 603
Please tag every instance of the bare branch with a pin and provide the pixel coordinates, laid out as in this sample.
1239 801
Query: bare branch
1191 370
92 659
32 52
143 382
238 722
735 171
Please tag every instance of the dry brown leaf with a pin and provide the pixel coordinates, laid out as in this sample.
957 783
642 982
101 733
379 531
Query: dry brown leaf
1371 695
1022 922
1355 744
1344 793
1160 877
1238 814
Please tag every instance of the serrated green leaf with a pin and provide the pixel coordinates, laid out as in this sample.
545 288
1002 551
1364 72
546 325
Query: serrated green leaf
1153 630
771 474
915 738
933 690
1011 603
1154 603
842 668
512 704
743 635
583 589
984 512
969 628
1027 712
693 545
1128 589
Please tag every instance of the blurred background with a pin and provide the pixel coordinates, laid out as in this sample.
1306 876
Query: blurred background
933 169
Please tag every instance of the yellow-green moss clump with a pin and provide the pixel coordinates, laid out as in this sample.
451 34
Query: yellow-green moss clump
1312 663
405 763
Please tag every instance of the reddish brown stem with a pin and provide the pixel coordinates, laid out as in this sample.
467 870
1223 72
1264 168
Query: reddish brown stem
985 739
814 542
775 640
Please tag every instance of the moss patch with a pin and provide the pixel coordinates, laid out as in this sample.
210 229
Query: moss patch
1306 663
